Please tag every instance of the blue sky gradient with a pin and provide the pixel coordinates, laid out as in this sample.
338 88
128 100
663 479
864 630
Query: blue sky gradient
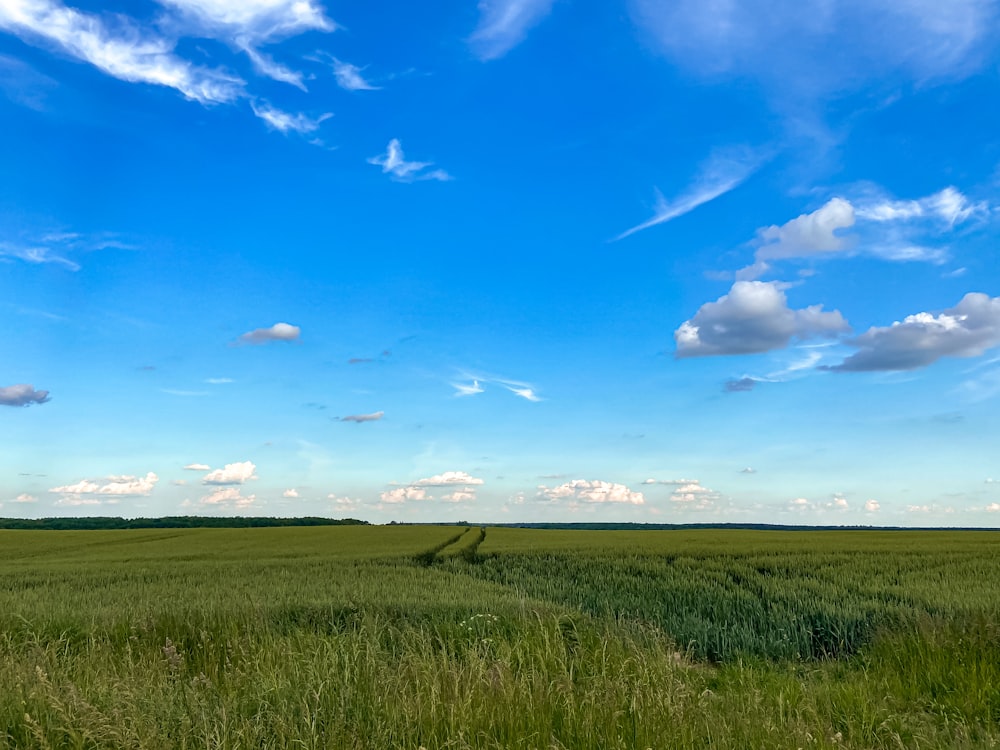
512 260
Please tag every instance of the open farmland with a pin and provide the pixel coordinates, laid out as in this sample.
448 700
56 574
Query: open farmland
454 637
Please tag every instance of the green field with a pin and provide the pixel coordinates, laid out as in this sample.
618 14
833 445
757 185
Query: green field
453 637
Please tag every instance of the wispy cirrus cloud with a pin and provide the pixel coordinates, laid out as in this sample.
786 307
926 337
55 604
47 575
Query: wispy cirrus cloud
285 122
249 25
527 391
22 394
394 164
722 172
349 77
118 47
806 50
503 24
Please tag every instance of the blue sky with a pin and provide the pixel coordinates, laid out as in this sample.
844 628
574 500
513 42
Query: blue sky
511 260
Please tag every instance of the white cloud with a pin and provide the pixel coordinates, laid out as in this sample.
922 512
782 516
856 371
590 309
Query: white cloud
754 317
691 494
464 389
228 497
394 163
36 254
403 494
446 479
949 206
124 485
723 172
252 20
197 467
893 230
503 24
277 332
591 491
872 506
236 473
349 77
285 121
22 394
119 49
130 486
292 493
24 497
219 381
268 66
359 418
806 50
993 508
748 470
466 494
966 330
344 503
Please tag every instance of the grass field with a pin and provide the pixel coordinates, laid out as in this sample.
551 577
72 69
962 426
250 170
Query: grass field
453 637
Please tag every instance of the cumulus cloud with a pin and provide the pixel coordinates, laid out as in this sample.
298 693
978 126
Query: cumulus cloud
748 470
590 492
503 24
228 497
343 502
117 47
359 418
808 235
872 506
691 494
235 473
753 317
277 332
22 394
890 229
292 493
723 172
966 330
399 495
394 164
466 494
124 485
993 508
24 497
446 479
197 467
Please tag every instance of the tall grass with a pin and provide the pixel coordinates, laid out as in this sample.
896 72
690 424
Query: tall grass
314 638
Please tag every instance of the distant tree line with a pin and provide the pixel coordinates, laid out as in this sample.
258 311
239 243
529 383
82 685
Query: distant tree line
171 522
